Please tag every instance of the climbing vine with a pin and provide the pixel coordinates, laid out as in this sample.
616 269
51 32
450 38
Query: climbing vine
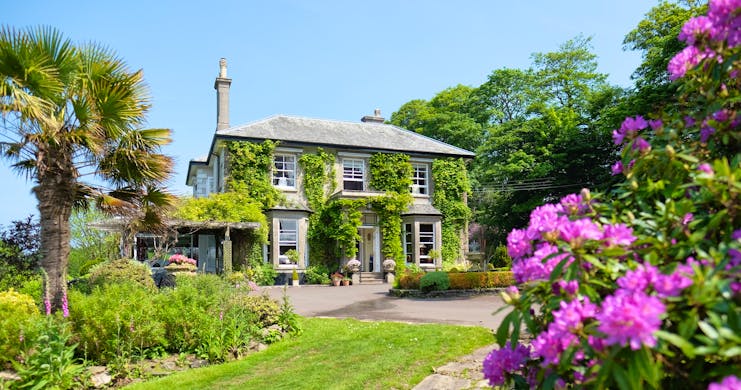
451 183
389 208
249 171
318 182
390 172
318 177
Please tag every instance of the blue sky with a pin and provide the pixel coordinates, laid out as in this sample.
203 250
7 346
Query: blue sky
321 59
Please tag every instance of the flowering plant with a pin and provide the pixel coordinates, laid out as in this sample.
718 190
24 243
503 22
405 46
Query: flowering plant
352 265
181 259
642 288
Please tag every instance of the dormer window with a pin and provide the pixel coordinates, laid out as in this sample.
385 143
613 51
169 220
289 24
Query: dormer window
353 174
284 171
420 182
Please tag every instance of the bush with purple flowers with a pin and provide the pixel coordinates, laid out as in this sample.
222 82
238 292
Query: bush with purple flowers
641 287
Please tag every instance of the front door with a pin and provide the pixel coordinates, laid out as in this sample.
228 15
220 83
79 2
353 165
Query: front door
367 248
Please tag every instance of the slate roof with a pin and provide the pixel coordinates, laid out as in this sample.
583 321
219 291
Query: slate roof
341 134
421 209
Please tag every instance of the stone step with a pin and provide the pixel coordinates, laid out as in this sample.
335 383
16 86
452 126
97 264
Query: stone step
371 278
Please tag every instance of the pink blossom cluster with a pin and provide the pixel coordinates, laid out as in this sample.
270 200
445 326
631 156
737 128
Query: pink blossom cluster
568 320
630 317
533 250
730 382
500 362
181 259
722 25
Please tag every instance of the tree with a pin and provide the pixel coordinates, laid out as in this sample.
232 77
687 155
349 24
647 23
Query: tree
450 116
73 112
20 243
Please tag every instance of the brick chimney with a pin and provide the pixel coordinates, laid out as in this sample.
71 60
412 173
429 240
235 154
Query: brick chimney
376 118
221 85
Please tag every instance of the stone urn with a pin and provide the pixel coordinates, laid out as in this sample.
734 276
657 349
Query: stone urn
353 266
389 265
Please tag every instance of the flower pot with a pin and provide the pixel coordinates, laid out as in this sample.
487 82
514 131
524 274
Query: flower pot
181 269
345 282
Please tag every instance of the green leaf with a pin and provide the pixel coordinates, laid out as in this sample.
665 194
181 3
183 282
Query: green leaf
503 330
679 342
708 330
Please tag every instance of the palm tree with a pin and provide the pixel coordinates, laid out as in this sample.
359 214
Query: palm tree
71 119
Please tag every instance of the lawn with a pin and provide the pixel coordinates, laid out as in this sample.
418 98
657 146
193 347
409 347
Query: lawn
339 354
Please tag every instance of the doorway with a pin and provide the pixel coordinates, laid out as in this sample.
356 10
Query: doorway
368 249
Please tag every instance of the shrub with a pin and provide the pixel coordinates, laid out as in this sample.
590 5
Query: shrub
434 281
500 258
261 273
476 280
122 271
17 312
117 321
409 280
50 363
641 288
317 274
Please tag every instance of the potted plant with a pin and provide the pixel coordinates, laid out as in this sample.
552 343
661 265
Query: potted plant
294 277
292 256
346 281
336 278
179 263
389 265
353 266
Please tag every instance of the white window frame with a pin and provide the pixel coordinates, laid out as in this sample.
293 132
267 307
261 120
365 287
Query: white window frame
354 164
426 238
420 174
284 235
283 177
408 241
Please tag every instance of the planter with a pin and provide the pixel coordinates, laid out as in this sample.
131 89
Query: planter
294 282
389 265
345 282
336 282
181 269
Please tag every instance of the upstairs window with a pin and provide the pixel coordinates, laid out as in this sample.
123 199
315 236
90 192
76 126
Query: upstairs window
420 179
353 174
284 171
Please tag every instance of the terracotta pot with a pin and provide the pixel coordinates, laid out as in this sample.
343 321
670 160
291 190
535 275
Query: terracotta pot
345 282
336 282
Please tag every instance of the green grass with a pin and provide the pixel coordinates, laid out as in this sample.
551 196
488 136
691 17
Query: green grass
339 354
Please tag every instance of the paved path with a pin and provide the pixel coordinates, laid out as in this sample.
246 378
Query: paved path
372 302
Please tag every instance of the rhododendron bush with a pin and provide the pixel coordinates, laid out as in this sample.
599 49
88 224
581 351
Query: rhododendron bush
641 287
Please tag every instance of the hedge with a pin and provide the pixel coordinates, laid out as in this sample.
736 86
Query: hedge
474 280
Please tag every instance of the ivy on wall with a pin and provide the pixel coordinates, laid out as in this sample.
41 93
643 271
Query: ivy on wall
249 171
390 172
451 183
319 183
318 178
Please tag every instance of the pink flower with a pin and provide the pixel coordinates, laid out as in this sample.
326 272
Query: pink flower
641 144
618 235
617 168
570 316
546 219
685 60
47 305
551 344
655 124
630 317
705 167
695 28
687 219
638 279
65 306
501 362
579 231
518 244
730 382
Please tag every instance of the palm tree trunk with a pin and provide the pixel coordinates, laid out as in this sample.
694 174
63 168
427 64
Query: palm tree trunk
56 194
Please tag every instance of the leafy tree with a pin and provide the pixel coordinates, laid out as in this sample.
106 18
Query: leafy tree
451 117
546 139
19 244
89 245
72 112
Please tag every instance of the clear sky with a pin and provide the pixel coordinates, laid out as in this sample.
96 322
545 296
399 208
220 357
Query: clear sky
321 59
